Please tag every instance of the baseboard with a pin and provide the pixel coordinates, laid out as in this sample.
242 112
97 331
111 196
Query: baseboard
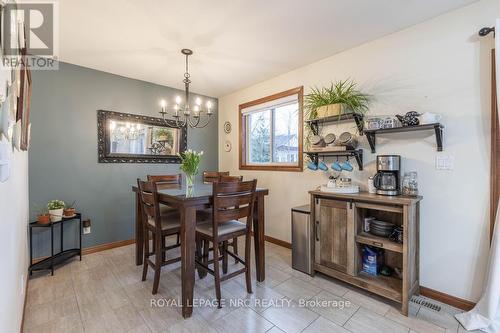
447 299
278 242
25 301
107 246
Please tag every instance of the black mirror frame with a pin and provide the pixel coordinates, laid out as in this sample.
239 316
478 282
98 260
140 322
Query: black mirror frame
103 116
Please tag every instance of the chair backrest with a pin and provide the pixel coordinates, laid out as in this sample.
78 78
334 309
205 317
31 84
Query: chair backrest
148 195
213 176
230 179
232 201
166 179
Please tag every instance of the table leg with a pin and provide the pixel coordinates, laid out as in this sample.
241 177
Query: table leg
258 234
139 244
188 246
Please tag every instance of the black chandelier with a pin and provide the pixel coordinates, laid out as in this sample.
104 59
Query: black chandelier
185 114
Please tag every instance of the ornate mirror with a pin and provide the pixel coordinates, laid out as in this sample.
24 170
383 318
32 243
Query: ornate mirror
130 138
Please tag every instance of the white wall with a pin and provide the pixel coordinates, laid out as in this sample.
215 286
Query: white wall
13 243
439 66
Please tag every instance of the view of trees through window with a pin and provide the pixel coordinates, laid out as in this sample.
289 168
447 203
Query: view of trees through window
273 135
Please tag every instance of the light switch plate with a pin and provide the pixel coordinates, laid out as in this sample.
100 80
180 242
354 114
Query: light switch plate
86 230
445 162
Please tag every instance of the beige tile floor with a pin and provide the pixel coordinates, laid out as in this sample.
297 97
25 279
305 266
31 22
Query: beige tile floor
104 293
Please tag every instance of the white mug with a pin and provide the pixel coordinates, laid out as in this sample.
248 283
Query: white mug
429 118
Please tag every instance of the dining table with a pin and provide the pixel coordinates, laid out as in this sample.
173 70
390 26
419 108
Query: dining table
188 201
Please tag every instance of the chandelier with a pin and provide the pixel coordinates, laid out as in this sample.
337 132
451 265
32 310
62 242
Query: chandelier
184 114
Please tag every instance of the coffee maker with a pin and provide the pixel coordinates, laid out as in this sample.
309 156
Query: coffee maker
387 180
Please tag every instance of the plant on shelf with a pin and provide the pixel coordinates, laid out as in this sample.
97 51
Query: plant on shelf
342 97
190 160
42 214
70 210
56 208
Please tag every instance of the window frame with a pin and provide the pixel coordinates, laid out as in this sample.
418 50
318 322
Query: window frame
243 137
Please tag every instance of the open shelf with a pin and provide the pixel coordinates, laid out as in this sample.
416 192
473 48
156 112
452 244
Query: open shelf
357 118
55 260
381 242
356 153
437 127
388 286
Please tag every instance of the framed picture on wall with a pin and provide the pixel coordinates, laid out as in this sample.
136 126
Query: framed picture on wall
23 101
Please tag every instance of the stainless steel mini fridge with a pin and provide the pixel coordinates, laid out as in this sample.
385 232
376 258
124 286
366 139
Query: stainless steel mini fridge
302 238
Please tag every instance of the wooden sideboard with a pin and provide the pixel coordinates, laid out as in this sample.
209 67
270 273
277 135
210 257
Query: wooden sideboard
339 238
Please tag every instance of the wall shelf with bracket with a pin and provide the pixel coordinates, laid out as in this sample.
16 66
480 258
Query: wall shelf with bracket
358 119
356 153
371 135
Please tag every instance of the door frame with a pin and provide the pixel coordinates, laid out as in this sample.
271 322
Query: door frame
495 148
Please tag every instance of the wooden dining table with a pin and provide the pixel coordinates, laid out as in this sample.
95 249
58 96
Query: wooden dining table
199 197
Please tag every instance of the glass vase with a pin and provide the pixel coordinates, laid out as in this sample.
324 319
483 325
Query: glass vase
189 185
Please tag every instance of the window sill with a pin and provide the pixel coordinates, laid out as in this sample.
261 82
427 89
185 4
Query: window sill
289 168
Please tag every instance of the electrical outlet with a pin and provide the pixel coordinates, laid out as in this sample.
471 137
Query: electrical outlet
445 162
86 226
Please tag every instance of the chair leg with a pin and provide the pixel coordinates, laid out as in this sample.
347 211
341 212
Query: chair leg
235 248
178 239
163 253
146 255
206 249
217 275
158 262
247 263
198 256
224 257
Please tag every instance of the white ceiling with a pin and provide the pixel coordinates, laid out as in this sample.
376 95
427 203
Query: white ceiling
236 43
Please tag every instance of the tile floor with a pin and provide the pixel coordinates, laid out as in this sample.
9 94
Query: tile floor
104 293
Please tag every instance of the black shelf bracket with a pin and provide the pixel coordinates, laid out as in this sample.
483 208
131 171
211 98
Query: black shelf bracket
358 119
371 135
357 154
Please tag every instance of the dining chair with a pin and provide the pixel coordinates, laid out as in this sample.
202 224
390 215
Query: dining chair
206 215
213 176
167 181
160 226
231 202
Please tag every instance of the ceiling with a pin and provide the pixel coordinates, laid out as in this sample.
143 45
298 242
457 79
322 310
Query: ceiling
236 43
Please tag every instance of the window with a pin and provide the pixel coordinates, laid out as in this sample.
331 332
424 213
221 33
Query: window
271 132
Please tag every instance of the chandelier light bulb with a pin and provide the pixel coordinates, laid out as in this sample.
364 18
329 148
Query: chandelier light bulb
198 101
163 103
178 100
209 105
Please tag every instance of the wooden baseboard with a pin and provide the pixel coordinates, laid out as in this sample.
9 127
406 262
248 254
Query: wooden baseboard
278 242
447 299
25 301
107 246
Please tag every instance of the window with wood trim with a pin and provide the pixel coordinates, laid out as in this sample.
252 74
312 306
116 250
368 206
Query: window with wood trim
271 132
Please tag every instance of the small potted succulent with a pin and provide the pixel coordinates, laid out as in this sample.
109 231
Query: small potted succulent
70 210
43 216
56 208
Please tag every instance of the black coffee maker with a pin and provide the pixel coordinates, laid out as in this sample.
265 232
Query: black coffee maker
387 180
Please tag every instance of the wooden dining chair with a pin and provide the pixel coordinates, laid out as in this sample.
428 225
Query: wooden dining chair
213 176
167 181
231 202
206 215
160 226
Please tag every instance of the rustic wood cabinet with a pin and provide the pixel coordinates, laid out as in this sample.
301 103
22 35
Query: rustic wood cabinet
339 238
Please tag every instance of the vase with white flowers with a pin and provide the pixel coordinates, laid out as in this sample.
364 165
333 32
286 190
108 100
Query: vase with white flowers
190 163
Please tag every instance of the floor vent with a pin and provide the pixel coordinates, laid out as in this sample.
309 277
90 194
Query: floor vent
424 302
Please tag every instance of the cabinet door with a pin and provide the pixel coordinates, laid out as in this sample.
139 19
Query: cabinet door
334 235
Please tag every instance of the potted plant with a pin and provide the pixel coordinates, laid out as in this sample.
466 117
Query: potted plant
70 210
341 97
56 208
190 160
43 216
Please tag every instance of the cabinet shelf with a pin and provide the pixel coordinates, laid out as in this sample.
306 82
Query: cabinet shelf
357 118
356 153
388 286
380 242
437 127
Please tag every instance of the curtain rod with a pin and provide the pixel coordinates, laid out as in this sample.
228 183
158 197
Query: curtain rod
486 31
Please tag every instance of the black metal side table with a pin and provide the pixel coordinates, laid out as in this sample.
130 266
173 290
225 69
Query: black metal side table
62 255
